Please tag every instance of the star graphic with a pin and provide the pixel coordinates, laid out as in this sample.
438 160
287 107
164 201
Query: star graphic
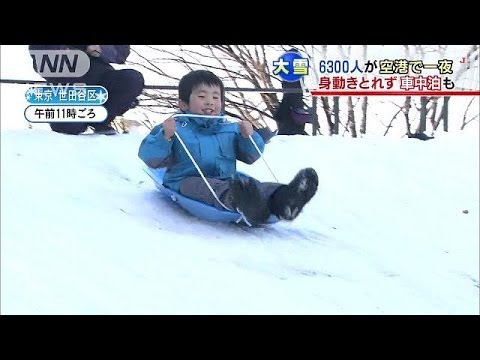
101 96
29 93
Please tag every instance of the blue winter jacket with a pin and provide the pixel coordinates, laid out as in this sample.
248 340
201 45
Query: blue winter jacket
215 154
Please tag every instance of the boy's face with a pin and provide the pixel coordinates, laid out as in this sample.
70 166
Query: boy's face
204 100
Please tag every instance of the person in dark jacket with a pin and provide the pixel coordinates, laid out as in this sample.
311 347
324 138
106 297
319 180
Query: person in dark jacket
291 115
291 106
215 145
123 86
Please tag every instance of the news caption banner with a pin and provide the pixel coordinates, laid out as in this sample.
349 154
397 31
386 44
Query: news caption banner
386 77
55 102
66 103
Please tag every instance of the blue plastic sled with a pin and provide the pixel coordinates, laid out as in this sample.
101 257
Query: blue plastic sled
195 207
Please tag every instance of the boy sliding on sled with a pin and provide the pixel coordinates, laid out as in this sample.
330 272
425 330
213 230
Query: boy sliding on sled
215 145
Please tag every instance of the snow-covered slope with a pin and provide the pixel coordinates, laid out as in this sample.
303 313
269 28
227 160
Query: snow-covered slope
394 229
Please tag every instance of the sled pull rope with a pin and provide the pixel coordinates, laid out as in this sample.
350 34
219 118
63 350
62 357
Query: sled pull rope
200 171
261 157
242 217
236 120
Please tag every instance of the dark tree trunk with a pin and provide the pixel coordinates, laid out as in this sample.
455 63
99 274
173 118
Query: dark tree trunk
363 123
446 99
433 109
328 114
422 125
315 123
406 109
336 114
351 118
443 115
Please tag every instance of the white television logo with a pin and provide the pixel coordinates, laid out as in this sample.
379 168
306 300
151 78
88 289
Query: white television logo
60 63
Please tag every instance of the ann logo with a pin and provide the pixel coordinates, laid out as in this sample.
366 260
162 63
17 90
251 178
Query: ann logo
60 63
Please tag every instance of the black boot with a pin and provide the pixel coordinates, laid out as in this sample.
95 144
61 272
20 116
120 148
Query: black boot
288 201
104 129
69 128
246 198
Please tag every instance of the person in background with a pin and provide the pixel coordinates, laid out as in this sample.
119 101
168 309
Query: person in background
291 115
123 85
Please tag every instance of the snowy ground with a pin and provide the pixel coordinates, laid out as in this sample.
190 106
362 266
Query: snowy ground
394 229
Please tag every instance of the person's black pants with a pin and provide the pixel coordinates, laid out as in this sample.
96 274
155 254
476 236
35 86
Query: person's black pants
123 87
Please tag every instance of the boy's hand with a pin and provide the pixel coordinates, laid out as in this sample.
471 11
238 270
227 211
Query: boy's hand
93 50
169 127
246 129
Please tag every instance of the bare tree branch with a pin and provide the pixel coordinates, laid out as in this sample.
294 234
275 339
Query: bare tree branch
464 121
